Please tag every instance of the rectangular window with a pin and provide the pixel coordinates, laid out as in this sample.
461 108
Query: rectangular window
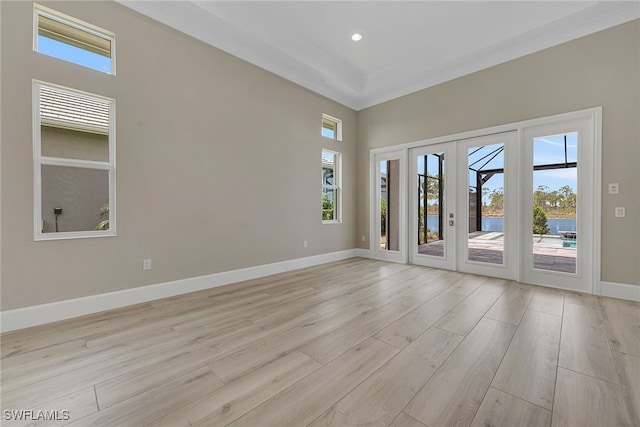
72 40
331 127
331 187
74 163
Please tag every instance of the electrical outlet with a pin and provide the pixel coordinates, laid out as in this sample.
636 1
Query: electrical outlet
364 238
614 188
620 213
146 264
304 244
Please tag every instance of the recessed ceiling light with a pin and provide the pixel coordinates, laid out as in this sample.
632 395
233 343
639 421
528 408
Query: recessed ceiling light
356 37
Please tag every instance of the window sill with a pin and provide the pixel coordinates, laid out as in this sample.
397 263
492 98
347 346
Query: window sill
40 237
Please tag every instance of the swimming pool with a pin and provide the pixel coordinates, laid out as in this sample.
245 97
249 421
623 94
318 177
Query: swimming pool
555 241
548 240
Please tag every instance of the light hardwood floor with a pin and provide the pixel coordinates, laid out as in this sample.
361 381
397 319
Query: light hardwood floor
356 342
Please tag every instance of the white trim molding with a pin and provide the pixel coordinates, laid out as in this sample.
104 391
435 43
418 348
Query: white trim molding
20 318
108 109
620 290
363 253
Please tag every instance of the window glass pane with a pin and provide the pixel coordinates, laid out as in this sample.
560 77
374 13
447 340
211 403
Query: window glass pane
73 42
73 160
328 133
327 176
485 241
328 168
330 186
64 109
431 204
73 144
55 28
331 127
389 215
328 204
74 199
551 150
555 197
73 54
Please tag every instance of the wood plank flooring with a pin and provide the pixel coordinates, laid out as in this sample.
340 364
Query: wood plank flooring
355 342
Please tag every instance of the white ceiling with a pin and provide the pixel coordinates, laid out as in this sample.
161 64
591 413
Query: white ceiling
406 45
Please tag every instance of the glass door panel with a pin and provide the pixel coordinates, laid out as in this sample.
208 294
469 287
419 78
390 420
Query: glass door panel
431 217
555 199
389 208
432 187
389 205
559 160
487 199
485 207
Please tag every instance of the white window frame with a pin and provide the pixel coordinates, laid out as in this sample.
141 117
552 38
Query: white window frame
336 187
39 160
338 123
39 10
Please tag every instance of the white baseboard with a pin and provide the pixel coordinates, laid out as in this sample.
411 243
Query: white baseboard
362 253
620 290
21 318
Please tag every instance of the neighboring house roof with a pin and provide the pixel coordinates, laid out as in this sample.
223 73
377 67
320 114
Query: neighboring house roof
71 111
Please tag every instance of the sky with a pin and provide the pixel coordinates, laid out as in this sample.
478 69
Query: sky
551 150
546 150
329 133
73 54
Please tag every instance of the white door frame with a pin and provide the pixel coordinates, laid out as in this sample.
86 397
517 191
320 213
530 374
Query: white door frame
456 207
594 119
448 261
509 269
376 157
583 279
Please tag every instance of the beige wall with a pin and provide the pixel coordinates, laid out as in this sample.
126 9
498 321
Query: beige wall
218 162
602 69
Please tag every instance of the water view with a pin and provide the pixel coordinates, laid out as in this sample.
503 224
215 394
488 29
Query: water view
496 224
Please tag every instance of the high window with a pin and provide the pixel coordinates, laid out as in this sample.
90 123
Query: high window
331 127
69 39
331 187
74 163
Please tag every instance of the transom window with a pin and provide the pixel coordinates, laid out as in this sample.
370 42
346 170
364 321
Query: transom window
331 127
331 187
72 40
74 163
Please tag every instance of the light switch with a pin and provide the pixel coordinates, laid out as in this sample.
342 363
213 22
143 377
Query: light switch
620 213
614 188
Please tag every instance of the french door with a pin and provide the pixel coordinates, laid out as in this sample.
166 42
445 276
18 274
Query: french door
432 213
464 205
559 165
519 203
389 206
